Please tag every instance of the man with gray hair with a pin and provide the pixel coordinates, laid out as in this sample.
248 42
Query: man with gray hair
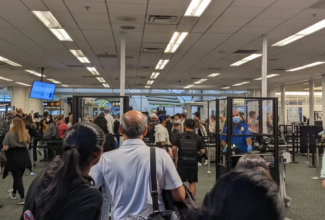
126 172
110 121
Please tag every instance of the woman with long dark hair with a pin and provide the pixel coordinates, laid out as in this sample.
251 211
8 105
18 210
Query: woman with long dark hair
64 189
16 144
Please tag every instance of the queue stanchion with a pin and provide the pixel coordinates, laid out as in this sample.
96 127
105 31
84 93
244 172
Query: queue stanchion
209 161
317 177
313 156
31 156
293 144
308 150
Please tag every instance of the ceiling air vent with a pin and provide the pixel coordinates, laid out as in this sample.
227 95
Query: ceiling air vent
152 49
75 66
246 51
106 56
162 19
144 67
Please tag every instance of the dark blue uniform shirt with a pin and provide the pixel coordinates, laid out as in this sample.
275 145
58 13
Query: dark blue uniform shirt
240 142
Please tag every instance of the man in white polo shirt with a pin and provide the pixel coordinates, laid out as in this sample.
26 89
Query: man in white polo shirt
126 172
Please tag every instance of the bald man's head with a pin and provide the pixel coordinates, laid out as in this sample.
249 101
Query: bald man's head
19 111
133 124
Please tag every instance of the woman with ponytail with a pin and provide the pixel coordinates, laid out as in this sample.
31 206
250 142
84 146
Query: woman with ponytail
64 190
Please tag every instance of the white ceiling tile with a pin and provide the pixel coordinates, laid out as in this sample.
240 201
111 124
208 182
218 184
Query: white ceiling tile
226 21
203 24
86 17
98 33
94 26
279 13
185 3
35 5
265 22
284 31
55 5
308 14
242 12
160 28
216 8
127 9
120 18
254 30
223 29
178 10
94 7
254 3
294 4
13 5
299 23
65 19
152 37
117 27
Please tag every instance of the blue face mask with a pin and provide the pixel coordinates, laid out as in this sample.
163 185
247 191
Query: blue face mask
236 120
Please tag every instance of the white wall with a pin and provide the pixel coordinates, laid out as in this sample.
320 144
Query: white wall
20 99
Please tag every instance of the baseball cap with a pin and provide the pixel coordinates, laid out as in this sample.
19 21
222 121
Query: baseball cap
162 117
190 123
153 115
197 114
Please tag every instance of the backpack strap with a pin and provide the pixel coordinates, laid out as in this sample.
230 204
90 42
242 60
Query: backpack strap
154 190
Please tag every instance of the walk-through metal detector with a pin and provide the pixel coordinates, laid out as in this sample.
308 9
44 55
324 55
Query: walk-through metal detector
191 107
267 110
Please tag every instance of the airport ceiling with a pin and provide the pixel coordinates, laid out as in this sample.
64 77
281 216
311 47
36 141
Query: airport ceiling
225 27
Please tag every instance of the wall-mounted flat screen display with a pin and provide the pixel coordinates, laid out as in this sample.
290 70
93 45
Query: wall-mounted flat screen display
42 90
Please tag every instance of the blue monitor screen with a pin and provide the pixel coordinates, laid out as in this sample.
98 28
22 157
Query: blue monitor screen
41 90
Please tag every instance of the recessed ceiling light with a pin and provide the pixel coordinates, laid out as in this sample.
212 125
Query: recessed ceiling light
307 31
9 62
93 71
147 87
161 64
246 59
35 73
268 76
61 34
5 79
200 81
54 81
100 79
214 74
24 84
225 87
64 85
197 7
176 40
80 56
150 82
239 84
154 75
106 85
187 87
306 66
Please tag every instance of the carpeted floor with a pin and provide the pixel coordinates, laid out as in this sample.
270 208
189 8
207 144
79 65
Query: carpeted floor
307 195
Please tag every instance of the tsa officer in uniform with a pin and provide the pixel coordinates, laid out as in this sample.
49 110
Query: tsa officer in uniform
243 143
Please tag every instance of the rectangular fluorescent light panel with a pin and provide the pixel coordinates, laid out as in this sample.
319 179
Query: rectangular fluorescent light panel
161 64
61 34
100 79
200 81
35 73
154 75
24 84
9 62
268 76
54 81
187 87
64 85
197 7
80 56
5 79
106 85
307 31
93 71
214 74
147 87
306 66
225 87
246 59
176 40
150 82
239 84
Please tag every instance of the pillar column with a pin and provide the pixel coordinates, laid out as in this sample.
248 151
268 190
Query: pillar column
323 98
264 67
20 99
283 106
311 102
271 93
122 72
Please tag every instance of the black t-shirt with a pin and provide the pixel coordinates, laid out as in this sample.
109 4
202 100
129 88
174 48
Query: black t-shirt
199 140
83 202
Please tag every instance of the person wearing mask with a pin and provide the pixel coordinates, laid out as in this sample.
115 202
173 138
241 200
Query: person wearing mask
67 119
108 146
243 143
200 130
128 185
151 131
64 190
212 124
185 149
110 121
251 194
161 133
29 124
16 144
62 126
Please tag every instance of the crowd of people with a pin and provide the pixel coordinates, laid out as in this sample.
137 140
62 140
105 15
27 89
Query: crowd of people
93 178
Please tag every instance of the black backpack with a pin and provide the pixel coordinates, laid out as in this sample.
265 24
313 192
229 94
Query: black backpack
187 151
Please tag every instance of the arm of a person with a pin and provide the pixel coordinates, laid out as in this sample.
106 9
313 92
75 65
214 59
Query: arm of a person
96 173
249 141
27 146
6 142
202 146
172 180
223 138
248 138
175 154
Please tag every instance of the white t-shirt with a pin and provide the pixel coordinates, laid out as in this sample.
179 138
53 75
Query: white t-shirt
110 123
126 174
161 134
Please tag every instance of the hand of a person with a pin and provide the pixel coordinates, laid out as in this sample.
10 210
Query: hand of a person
249 148
225 149
323 183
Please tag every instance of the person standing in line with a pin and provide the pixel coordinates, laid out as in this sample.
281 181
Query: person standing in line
212 125
200 130
67 119
161 133
110 121
16 144
128 185
62 126
182 118
222 122
185 150
29 124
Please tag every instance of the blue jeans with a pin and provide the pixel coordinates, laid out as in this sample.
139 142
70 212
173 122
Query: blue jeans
46 153
106 204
